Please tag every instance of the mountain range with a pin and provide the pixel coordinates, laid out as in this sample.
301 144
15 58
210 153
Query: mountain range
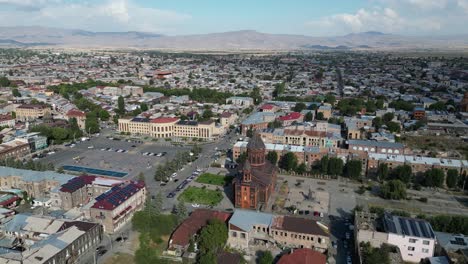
236 40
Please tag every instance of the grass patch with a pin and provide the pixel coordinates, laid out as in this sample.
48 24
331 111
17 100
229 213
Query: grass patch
120 258
201 196
214 179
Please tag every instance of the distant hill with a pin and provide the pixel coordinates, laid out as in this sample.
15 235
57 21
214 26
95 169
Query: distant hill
236 40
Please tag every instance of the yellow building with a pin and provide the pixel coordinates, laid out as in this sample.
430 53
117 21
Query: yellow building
29 112
167 127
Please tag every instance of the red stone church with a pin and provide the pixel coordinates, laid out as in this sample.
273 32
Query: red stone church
257 179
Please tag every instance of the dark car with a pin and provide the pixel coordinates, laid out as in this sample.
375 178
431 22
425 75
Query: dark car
170 195
102 252
100 248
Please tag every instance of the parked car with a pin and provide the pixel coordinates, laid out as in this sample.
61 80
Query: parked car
170 195
195 205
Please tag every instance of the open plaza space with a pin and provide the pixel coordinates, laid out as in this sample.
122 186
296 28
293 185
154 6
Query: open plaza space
121 156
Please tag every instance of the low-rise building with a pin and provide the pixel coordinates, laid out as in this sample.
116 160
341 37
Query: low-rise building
35 140
417 163
302 136
227 119
371 146
116 207
47 240
248 227
414 238
326 110
290 118
82 189
303 256
6 120
257 121
16 149
80 117
180 239
35 183
243 102
30 112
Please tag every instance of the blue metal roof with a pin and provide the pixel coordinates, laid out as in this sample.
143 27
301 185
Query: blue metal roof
245 219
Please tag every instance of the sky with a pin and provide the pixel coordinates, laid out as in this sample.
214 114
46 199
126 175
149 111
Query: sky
185 17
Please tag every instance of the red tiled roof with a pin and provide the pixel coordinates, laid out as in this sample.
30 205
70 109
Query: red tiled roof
77 183
117 195
161 120
303 256
226 114
76 112
198 219
267 107
290 116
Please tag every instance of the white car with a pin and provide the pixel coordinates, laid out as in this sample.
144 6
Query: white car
195 205
174 175
51 153
91 147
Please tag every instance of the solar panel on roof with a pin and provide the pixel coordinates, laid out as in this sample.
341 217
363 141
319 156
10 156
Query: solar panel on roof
414 228
403 226
423 228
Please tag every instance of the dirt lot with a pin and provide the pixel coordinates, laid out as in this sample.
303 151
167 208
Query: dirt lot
438 145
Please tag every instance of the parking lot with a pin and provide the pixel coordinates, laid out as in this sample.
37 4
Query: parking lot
115 155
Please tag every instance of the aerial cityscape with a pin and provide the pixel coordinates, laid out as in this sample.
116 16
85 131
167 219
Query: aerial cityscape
253 132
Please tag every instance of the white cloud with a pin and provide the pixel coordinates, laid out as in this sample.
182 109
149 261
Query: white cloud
413 17
428 4
110 15
386 20
463 4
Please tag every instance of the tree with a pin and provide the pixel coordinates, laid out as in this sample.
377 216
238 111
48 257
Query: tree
104 115
324 164
272 156
301 169
434 178
299 107
141 176
256 95
403 173
393 127
121 105
387 117
353 169
265 258
452 178
181 211
377 123
330 98
335 166
288 162
394 190
242 158
275 124
4 82
213 237
207 114
382 171
15 92
372 255
91 124
250 132
308 117
13 114
320 116
144 107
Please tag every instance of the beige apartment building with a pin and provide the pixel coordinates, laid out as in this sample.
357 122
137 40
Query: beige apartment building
308 137
167 127
37 184
29 112
247 228
115 208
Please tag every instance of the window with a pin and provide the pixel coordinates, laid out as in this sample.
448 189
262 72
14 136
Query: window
412 240
243 235
425 250
234 234
426 242
410 248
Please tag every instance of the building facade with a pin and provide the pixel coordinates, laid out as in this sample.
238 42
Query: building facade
31 112
15 149
167 127
257 179
116 207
